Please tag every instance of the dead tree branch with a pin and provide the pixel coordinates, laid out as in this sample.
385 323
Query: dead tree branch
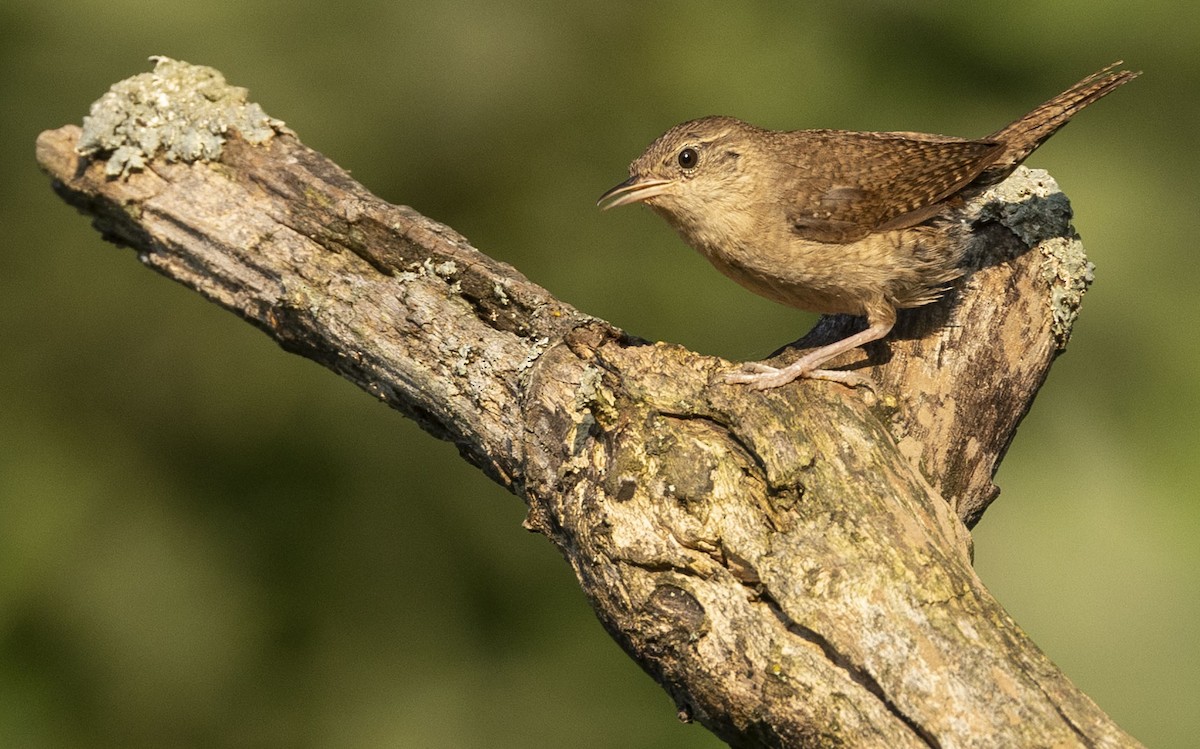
792 566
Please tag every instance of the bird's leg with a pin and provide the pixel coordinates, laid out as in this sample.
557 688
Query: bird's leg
761 376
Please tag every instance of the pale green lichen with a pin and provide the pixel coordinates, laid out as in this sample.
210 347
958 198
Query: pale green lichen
501 294
466 354
180 110
594 396
1069 273
535 351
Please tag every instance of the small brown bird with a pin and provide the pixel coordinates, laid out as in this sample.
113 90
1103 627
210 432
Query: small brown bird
834 221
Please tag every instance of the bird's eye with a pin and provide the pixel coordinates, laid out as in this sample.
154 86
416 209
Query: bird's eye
688 158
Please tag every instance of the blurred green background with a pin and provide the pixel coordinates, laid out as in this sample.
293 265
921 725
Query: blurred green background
205 542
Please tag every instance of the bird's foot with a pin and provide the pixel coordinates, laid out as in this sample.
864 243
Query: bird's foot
758 376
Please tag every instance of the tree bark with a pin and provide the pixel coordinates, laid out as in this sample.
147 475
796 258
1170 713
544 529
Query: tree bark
793 566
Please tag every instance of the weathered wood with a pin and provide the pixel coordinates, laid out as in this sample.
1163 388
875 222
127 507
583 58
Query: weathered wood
792 566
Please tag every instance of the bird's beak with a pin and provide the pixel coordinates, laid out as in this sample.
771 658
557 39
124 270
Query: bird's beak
633 190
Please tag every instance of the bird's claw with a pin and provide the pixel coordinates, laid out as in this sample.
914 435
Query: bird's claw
758 376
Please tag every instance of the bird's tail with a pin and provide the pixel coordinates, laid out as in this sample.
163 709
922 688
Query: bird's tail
1023 136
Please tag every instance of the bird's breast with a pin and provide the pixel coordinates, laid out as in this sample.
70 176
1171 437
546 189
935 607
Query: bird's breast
824 277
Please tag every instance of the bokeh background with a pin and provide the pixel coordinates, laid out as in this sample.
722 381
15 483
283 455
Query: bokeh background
206 542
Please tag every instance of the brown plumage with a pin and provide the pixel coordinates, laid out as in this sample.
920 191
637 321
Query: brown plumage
834 221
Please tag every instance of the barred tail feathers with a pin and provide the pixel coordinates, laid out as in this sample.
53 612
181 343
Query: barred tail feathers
1024 135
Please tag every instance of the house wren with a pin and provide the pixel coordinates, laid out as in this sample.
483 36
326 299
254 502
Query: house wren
834 221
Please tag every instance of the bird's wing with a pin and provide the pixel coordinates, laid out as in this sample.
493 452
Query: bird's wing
876 181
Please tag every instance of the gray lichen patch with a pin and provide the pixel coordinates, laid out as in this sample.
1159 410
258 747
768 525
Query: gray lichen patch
181 110
1069 273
